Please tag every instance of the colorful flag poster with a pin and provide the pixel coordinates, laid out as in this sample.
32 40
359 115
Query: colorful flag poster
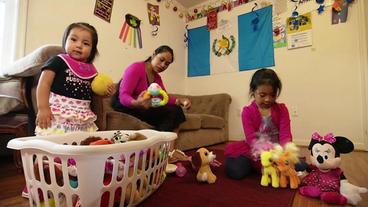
236 45
103 9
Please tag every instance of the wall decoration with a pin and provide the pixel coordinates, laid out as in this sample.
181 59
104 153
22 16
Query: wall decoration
212 19
223 46
321 7
198 52
340 11
130 32
153 14
299 31
103 9
279 32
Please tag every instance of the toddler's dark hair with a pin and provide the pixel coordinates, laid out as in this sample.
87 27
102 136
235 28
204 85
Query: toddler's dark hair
161 49
91 29
265 76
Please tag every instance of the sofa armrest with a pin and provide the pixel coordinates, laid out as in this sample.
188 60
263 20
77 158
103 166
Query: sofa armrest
213 104
101 106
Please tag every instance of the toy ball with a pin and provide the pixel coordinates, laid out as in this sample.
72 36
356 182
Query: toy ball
101 83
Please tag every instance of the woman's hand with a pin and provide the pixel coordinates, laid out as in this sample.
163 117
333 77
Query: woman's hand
44 117
143 101
184 102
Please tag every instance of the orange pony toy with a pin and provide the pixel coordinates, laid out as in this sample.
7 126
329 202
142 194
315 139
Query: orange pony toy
285 161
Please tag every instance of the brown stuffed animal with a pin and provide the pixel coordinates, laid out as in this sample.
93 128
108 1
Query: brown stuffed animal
201 160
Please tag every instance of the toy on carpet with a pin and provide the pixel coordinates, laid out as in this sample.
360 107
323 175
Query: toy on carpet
178 155
286 158
154 92
325 179
101 84
201 160
269 172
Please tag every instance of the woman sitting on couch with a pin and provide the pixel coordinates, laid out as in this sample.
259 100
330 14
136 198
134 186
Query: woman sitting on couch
130 97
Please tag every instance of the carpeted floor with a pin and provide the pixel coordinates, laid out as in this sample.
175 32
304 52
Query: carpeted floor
186 191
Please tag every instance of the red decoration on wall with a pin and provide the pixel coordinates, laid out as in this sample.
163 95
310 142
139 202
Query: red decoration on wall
212 19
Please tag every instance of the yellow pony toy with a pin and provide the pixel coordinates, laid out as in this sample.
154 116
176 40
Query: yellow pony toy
269 172
285 159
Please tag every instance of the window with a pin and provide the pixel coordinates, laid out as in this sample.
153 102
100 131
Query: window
11 14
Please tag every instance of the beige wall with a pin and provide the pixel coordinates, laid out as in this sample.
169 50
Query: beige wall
47 20
324 83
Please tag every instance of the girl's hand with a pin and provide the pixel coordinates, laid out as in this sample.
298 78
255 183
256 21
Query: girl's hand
184 102
44 117
143 101
110 90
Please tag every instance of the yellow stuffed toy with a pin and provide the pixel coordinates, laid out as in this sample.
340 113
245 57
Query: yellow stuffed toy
101 83
268 170
285 159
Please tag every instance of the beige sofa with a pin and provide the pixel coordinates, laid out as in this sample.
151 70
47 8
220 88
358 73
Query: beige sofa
206 124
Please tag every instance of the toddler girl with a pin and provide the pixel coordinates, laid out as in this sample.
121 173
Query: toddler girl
264 122
64 91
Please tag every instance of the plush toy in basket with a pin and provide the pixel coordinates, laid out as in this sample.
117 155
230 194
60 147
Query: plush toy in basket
325 179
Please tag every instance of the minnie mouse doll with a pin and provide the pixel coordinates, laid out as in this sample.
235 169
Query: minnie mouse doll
323 180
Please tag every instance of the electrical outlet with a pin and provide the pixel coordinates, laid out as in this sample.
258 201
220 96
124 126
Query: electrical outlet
294 111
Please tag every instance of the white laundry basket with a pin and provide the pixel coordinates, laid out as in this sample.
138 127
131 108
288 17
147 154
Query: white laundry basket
70 175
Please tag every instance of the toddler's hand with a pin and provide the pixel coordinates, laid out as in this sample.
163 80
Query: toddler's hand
110 90
44 117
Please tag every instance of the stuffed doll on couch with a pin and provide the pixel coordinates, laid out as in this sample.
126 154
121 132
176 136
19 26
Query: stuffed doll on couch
325 179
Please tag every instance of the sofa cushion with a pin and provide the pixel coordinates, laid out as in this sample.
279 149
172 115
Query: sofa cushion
193 122
211 122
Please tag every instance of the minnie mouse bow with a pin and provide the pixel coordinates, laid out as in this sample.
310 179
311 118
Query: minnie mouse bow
330 138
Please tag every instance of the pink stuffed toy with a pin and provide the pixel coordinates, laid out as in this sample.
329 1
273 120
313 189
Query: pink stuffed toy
323 180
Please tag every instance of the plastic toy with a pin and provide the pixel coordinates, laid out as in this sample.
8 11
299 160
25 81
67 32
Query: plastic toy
325 177
286 158
268 170
202 159
153 92
100 84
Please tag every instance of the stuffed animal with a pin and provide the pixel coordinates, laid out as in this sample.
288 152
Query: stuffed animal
268 170
100 84
286 158
325 177
153 92
201 160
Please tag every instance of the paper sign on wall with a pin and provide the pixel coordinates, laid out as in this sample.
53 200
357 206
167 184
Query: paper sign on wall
103 9
299 31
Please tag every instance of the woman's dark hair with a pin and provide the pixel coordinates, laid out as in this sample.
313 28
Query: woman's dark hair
91 29
265 76
161 49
